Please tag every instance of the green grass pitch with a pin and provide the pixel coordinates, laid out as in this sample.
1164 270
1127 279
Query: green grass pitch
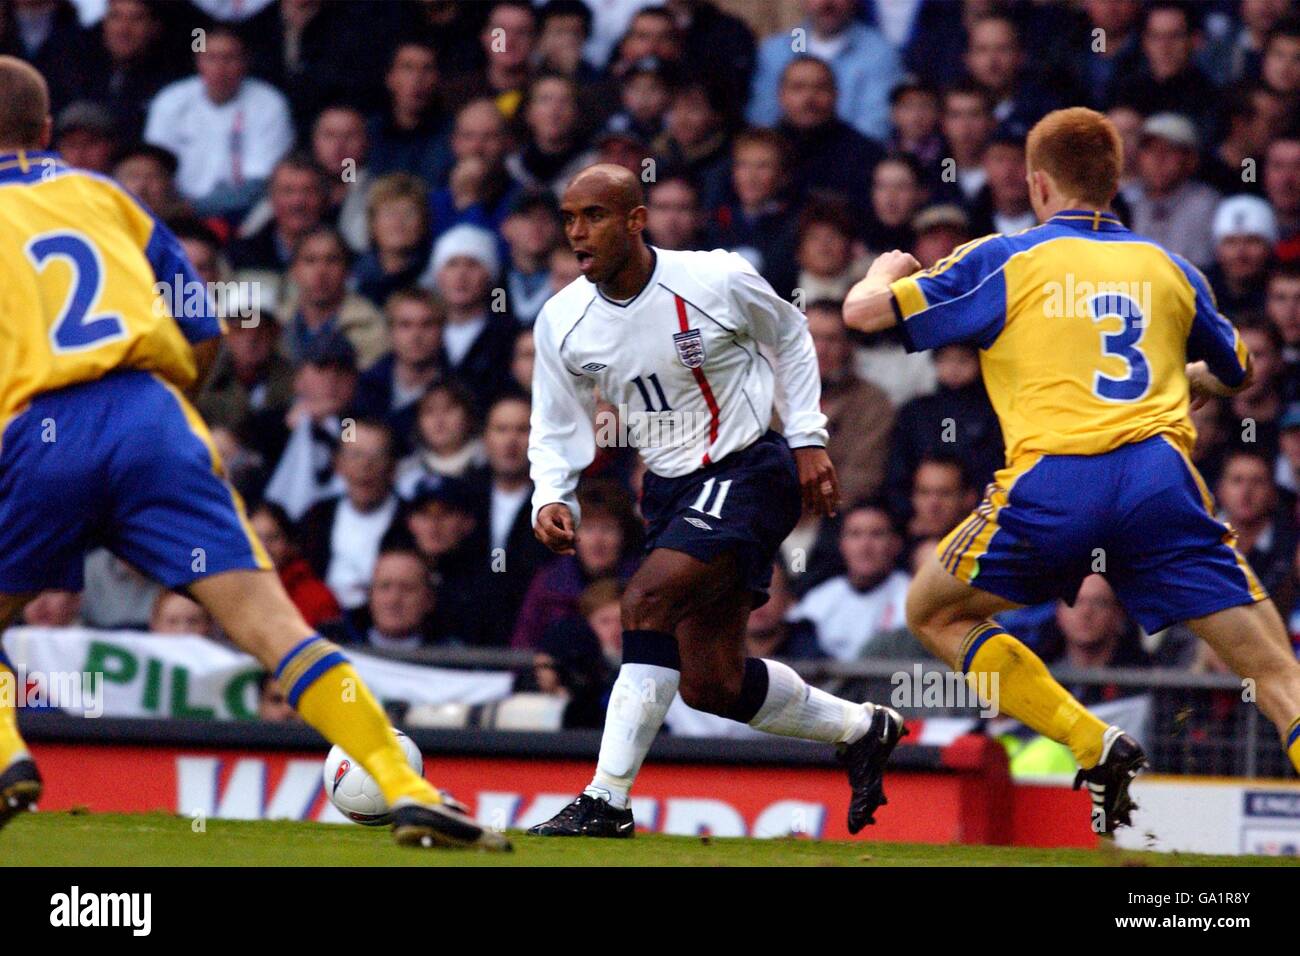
157 839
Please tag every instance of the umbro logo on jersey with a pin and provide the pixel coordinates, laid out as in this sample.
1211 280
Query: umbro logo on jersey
698 522
592 367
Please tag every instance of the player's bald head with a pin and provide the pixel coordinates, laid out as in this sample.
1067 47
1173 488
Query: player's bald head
24 105
608 184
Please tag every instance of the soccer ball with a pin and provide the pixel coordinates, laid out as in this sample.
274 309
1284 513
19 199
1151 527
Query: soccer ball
355 792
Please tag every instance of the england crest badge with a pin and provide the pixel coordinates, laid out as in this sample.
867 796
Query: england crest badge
690 347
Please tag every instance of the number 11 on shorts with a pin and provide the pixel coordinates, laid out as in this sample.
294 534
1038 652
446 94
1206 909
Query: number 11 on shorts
706 492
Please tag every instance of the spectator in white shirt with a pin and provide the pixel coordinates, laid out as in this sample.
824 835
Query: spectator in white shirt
227 130
341 535
851 610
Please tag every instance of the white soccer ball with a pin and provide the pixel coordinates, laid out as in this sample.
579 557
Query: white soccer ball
355 792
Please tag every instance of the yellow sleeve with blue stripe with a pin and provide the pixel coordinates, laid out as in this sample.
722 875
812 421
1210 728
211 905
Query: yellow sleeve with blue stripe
171 267
961 298
1212 338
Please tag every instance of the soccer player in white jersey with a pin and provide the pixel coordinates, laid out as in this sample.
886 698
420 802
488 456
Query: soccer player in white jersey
673 340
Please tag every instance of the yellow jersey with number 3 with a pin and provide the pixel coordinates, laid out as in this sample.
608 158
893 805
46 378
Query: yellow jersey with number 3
82 263
1084 331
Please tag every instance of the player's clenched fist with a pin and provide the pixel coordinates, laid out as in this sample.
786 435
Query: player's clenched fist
817 481
892 265
554 528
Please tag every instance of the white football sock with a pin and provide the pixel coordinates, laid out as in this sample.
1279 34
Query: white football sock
637 706
794 708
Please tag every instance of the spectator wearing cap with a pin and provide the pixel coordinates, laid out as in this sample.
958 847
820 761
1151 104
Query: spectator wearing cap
479 189
1003 204
755 220
865 68
1166 204
391 388
86 136
341 534
397 217
531 230
898 190
445 437
149 173
859 416
320 304
995 60
674 218
398 613
939 229
308 592
508 39
1169 81
124 66
227 129
829 155
1282 189
1245 231
606 548
297 199
554 149
914 124
410 135
476 339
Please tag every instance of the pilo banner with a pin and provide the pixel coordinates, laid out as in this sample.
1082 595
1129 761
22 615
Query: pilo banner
129 674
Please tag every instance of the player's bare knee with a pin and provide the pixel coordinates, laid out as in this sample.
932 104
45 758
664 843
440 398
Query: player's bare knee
710 696
650 606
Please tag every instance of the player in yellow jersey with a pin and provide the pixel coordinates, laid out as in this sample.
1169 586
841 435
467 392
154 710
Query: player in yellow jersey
99 445
1092 341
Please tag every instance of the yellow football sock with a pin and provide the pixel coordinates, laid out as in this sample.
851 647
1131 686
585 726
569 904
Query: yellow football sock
11 745
1006 670
1293 743
327 691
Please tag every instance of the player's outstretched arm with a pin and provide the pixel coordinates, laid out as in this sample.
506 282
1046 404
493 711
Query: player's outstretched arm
869 306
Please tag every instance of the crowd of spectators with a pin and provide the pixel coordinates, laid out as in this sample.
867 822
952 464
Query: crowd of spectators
384 177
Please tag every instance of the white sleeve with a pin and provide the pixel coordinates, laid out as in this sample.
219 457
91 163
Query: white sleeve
274 133
561 438
774 322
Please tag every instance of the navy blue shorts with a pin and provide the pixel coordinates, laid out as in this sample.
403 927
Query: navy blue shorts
747 503
124 462
1141 515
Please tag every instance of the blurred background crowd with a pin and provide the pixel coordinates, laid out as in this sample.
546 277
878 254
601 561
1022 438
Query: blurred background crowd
384 176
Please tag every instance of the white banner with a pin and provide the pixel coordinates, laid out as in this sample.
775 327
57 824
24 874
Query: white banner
130 674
